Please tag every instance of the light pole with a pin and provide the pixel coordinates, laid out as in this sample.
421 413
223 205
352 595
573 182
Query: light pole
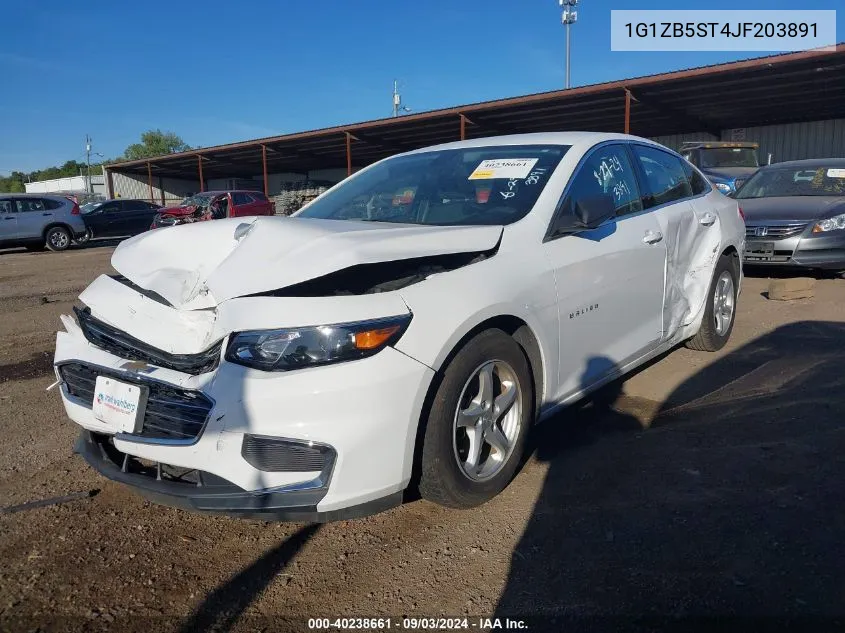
570 16
88 186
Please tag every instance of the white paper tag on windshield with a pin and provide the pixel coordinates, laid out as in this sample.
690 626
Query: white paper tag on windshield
503 168
836 173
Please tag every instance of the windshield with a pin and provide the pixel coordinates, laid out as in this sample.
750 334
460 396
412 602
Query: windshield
468 186
89 207
197 200
729 157
770 183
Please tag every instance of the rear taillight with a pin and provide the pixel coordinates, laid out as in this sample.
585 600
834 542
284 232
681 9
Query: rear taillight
741 214
75 210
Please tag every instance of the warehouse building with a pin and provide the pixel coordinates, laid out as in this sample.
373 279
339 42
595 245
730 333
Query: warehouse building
793 105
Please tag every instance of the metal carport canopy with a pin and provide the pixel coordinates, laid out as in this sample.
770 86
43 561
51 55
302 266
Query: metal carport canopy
787 88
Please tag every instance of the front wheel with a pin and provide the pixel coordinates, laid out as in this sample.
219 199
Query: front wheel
720 309
477 422
57 238
85 237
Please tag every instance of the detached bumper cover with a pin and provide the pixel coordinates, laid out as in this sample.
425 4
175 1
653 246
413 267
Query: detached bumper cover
199 491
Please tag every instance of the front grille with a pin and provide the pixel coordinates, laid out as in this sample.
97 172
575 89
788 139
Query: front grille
774 232
172 413
121 344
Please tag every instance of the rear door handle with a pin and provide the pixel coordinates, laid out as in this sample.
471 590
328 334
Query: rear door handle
9 217
46 214
708 219
652 237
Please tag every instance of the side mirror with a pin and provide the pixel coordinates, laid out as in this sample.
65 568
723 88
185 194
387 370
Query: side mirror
587 213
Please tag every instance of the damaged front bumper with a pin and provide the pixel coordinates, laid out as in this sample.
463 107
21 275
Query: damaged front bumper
365 411
201 491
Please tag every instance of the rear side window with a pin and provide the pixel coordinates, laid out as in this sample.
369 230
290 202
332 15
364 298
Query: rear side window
6 206
663 175
697 182
607 170
259 196
26 205
241 198
51 204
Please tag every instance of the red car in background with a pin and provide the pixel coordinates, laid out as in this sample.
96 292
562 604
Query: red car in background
215 205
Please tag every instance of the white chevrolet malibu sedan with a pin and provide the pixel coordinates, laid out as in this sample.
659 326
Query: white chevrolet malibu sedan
405 329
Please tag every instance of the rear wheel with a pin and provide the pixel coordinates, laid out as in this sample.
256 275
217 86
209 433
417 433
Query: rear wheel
57 238
477 423
720 309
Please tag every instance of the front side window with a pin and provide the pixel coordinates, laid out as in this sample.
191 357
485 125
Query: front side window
220 208
26 205
777 182
665 180
467 186
606 171
6 206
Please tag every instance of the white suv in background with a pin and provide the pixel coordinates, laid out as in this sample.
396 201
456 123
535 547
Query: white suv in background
410 324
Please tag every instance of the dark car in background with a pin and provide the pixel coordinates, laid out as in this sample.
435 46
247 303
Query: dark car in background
795 214
726 164
117 218
214 205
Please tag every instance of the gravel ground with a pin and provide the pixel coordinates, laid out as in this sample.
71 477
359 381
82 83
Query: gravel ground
706 486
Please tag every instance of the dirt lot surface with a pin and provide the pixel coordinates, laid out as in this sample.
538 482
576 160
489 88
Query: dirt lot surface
706 485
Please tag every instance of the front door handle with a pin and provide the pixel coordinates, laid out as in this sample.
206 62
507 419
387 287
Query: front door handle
708 219
9 217
652 237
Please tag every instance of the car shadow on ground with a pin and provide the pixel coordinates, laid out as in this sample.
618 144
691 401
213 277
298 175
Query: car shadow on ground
724 505
222 608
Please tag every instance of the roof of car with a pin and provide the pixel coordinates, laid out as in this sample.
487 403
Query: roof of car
56 196
217 192
808 163
537 138
718 144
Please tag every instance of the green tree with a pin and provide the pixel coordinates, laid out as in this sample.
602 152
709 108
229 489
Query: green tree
155 143
13 183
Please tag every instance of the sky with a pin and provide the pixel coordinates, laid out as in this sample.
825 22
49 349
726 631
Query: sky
217 72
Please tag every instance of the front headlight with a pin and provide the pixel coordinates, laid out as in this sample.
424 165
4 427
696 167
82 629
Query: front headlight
724 188
831 224
296 348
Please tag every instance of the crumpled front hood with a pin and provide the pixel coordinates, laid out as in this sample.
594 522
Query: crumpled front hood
203 264
179 211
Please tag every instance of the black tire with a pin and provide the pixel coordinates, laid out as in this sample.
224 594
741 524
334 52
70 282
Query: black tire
57 238
86 237
442 478
709 339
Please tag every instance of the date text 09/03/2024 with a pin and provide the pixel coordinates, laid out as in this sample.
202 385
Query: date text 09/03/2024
416 624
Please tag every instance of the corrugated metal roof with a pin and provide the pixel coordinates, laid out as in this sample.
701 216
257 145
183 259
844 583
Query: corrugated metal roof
790 87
